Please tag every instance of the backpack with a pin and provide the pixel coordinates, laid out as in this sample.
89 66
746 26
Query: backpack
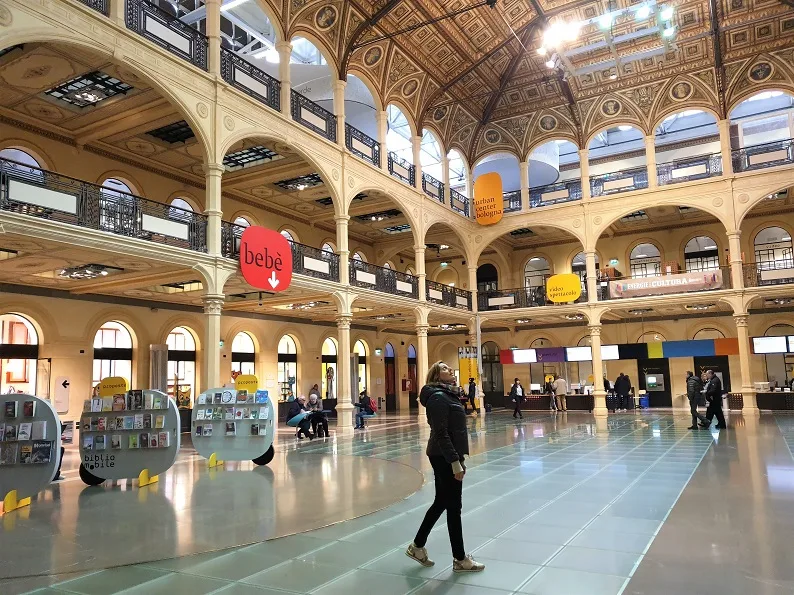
373 403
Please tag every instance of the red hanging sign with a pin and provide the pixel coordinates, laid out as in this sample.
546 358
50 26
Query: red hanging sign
266 259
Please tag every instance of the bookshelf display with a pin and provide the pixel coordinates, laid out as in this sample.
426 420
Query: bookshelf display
30 448
234 425
129 435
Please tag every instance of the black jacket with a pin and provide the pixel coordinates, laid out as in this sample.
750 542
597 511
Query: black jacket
622 385
714 389
472 390
366 405
606 386
514 396
446 416
294 409
694 386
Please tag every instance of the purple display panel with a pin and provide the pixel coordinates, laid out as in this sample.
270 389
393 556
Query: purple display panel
550 354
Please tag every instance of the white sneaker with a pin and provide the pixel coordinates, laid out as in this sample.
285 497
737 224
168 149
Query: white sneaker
467 565
419 554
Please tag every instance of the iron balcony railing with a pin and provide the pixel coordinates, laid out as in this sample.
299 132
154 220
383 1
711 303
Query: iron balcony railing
102 6
313 116
48 195
774 272
459 202
552 194
446 295
619 181
401 169
521 297
167 31
689 169
713 279
361 145
249 79
432 187
764 155
512 201
370 276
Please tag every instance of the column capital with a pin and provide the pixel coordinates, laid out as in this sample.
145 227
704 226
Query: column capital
734 234
741 320
584 152
420 248
343 322
283 46
342 219
338 84
214 169
421 330
595 329
213 304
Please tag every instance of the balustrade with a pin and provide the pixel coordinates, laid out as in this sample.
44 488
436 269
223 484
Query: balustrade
249 79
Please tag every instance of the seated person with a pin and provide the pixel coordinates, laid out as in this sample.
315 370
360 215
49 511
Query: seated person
317 417
297 407
364 408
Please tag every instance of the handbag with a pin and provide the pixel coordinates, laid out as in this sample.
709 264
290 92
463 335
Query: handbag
294 422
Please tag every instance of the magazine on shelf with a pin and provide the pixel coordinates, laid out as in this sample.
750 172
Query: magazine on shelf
107 403
115 441
102 424
239 413
147 421
9 453
2 432
139 421
10 433
136 398
228 413
227 397
159 421
85 424
88 443
208 429
119 402
153 440
199 431
254 429
133 441
87 406
262 430
202 399
42 451
96 405
264 412
23 432
231 428
11 409
143 440
29 409
165 441
252 413
99 442
26 453
261 396
129 422
38 430
119 423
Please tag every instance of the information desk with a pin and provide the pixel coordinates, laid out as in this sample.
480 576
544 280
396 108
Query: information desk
775 401
543 403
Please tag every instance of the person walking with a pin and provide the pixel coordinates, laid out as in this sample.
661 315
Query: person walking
517 396
561 392
447 448
622 389
714 400
472 394
694 389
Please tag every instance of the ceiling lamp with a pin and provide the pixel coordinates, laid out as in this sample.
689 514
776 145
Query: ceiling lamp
605 21
550 63
541 51
667 13
643 12
85 271
669 31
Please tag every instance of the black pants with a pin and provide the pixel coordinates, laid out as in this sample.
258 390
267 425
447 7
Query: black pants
449 497
303 427
715 409
471 400
319 419
517 410
693 408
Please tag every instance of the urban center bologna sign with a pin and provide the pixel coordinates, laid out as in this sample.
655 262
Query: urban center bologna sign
488 199
266 259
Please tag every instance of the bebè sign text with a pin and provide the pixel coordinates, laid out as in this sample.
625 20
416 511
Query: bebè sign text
266 259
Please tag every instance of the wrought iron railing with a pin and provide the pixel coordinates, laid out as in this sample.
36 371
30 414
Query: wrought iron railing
710 280
402 169
552 194
361 145
689 169
459 202
619 181
249 79
512 201
777 272
167 31
102 6
432 187
521 297
48 195
314 116
764 155
365 274
446 295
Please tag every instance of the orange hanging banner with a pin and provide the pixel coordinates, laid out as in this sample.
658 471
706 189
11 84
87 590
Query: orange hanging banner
488 199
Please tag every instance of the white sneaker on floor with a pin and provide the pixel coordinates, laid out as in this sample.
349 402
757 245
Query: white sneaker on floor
419 554
467 565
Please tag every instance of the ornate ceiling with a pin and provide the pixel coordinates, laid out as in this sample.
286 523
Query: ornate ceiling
477 79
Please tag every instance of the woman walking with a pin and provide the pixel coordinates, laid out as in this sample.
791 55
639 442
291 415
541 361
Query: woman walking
446 449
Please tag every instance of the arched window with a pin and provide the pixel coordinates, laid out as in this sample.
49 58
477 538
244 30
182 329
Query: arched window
701 254
763 118
409 271
411 352
330 360
360 349
447 276
243 354
112 353
709 333
181 203
398 134
487 278
579 267
19 352
182 366
305 52
645 260
536 270
779 366
242 222
773 249
288 234
359 257
327 247
113 187
431 156
20 156
651 337
414 381
458 173
387 265
287 368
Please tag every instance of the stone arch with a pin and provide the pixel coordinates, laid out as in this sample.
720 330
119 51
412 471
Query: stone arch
698 234
497 231
403 107
245 215
43 158
644 240
365 78
271 13
122 176
606 126
461 243
192 326
711 324
677 108
123 317
747 202
546 140
536 253
751 91
243 326
322 46
194 201
501 151
40 319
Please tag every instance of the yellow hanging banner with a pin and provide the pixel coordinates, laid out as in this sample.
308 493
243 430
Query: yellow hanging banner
113 385
247 382
488 199
563 288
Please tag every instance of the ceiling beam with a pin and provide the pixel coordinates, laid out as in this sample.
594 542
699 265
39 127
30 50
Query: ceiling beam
719 66
368 24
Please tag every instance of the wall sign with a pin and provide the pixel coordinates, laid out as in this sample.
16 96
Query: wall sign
563 288
666 284
266 259
488 199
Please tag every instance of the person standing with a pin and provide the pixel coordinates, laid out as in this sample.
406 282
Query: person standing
315 390
472 394
561 392
694 388
517 396
714 399
447 448
548 388
622 388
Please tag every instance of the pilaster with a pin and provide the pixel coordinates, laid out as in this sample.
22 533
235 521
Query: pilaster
650 160
284 49
213 33
211 369
724 127
524 171
214 175
416 143
382 119
339 110
735 255
344 405
419 261
584 172
342 248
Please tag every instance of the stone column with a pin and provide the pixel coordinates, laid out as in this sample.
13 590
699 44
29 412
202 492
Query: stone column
600 405
344 404
382 118
213 175
419 261
650 160
445 179
748 390
211 369
735 254
117 11
339 110
473 288
342 248
584 172
724 127
284 49
524 170
592 276
213 33
416 142
421 354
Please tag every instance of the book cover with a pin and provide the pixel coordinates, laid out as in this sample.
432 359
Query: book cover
147 421
261 396
133 442
87 405
262 430
129 422
23 432
96 405
208 413
28 408
10 433
119 423
242 397
199 430
264 412
39 430
143 440
107 403
159 421
153 440
26 454
157 402
239 413
137 399
148 401
200 414
254 429
102 424
99 442
85 424
119 402
231 428
208 429
217 413
249 397
88 443
115 441
139 421
229 413
94 424
202 399
9 453
165 441
217 399
42 451
252 413
11 409
227 397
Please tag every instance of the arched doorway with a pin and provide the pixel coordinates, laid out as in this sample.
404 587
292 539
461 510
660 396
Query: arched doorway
390 367
360 355
112 353
182 366
413 391
287 368
492 375
329 363
779 366
21 371
487 278
243 354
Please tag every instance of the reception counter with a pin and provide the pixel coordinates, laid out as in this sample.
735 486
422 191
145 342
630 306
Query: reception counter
543 403
775 401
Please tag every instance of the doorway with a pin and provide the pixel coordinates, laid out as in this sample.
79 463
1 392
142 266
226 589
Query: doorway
413 392
655 381
390 363
718 363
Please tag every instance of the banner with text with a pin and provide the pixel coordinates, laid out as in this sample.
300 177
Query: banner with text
665 284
